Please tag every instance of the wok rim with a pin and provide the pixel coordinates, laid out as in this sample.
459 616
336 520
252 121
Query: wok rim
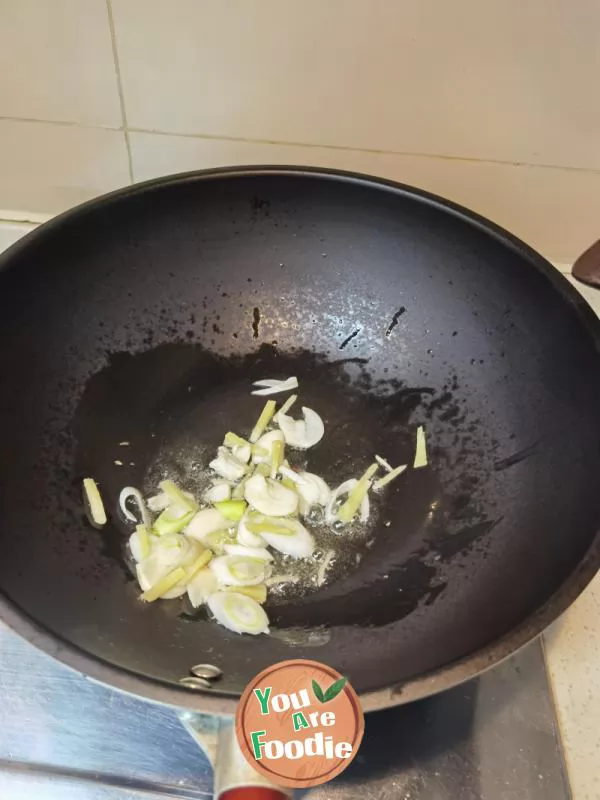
444 677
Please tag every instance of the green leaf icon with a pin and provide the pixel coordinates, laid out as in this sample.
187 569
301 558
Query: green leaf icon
334 690
318 692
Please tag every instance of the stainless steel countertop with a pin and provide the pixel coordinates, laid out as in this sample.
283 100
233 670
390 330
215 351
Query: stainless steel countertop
63 737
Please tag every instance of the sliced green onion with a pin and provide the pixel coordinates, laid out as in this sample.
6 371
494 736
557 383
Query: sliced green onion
264 419
202 560
238 613
163 585
143 539
175 495
262 469
228 466
93 503
276 457
172 520
259 452
232 509
383 463
258 592
233 440
421 449
357 495
238 570
288 404
389 477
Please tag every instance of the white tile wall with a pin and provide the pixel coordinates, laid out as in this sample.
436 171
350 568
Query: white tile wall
45 167
56 62
469 79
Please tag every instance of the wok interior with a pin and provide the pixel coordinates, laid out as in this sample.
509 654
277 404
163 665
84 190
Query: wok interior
145 319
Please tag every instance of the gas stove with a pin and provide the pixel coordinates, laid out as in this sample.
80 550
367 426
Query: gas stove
63 737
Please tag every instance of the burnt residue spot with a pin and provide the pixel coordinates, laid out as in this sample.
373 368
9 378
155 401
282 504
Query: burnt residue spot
520 455
255 321
348 339
394 321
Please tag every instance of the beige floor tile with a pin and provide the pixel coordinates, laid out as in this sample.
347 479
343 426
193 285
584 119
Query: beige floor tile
47 168
56 62
557 211
507 81
573 657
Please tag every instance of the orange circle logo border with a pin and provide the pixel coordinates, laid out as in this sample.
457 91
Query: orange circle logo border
340 714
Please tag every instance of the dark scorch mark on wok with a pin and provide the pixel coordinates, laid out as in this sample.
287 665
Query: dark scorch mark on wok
520 455
255 322
394 321
348 339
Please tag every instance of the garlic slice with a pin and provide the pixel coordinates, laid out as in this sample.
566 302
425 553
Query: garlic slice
298 543
266 442
227 465
313 491
261 553
158 502
219 491
302 433
270 497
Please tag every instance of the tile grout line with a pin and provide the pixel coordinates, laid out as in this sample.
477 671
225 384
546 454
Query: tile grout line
347 148
63 123
127 130
113 39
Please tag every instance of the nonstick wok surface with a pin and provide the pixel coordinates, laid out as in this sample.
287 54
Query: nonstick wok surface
144 316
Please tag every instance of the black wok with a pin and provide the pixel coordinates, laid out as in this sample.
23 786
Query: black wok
144 315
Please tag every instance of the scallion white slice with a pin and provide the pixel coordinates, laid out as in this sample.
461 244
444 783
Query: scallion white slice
238 570
238 613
